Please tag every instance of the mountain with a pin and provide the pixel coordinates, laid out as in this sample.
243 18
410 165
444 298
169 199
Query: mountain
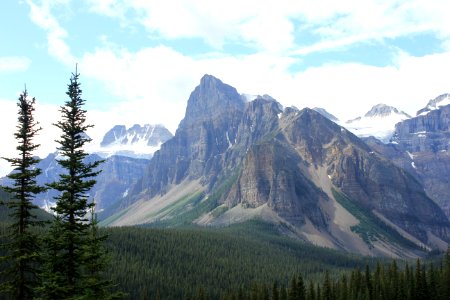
379 122
137 141
436 103
421 145
232 160
326 114
118 173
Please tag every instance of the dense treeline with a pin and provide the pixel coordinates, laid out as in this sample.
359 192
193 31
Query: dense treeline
415 282
174 263
251 261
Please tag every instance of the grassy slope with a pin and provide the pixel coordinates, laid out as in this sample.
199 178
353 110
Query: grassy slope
371 227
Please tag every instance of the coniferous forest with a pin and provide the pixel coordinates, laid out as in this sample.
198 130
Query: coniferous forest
65 255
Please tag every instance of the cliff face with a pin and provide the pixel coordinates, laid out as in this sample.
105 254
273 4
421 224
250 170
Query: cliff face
428 132
231 160
421 146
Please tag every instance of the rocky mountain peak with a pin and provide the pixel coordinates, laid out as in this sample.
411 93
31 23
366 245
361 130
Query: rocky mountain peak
435 103
232 160
211 98
139 141
378 122
383 110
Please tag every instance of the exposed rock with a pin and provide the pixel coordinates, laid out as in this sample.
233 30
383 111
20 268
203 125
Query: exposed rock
118 174
436 103
426 132
255 154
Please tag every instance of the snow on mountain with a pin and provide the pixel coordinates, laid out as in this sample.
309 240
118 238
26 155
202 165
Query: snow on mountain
378 122
137 141
434 104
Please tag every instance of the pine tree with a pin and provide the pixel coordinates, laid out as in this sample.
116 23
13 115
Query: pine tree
275 293
23 247
301 290
327 291
72 203
293 289
96 260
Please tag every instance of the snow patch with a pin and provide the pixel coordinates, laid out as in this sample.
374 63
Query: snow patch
410 155
228 140
381 127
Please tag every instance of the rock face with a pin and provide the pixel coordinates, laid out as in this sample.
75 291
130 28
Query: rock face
232 160
137 141
421 146
427 132
118 174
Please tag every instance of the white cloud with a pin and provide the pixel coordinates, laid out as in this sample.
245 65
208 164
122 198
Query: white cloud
155 82
14 63
270 26
42 16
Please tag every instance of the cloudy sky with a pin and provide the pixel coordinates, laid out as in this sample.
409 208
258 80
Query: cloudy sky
140 59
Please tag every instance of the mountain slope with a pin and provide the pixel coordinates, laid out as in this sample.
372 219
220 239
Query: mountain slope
421 145
118 174
231 161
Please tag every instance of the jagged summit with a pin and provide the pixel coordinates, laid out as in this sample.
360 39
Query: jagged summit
326 114
383 110
232 161
435 103
136 141
212 97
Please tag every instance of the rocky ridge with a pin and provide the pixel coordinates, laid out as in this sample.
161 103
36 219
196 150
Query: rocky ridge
137 141
231 160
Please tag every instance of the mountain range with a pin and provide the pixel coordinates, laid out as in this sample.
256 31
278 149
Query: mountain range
126 153
232 160
137 141
375 185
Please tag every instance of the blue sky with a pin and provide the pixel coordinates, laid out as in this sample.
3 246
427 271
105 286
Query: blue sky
139 60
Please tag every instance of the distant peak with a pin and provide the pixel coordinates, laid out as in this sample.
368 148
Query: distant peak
436 103
383 110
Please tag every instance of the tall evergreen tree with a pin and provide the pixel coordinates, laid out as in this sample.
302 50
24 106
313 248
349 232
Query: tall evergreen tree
23 247
72 205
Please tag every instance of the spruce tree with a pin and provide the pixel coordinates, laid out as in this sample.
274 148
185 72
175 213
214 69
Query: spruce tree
23 246
72 207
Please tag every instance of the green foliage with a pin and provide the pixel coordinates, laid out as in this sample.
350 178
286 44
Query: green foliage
175 262
370 227
72 242
19 264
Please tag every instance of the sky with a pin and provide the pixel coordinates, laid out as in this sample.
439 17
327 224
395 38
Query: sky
140 59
